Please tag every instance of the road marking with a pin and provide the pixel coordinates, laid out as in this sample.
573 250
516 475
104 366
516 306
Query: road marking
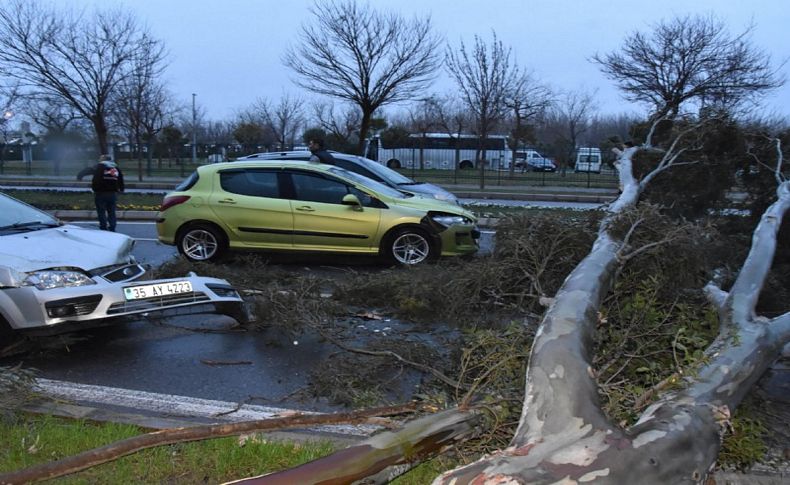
170 405
487 232
146 239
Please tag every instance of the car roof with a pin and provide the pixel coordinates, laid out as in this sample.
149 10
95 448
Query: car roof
303 164
275 163
288 155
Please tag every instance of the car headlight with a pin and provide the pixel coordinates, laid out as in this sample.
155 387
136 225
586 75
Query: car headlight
46 280
448 220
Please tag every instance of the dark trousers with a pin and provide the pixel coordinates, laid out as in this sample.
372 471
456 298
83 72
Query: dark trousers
106 203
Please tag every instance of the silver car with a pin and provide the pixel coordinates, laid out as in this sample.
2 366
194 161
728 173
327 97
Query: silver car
368 168
56 277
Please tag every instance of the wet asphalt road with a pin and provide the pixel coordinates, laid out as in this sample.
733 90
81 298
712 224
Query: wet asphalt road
178 355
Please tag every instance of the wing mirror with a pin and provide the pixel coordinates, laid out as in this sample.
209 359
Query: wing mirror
353 201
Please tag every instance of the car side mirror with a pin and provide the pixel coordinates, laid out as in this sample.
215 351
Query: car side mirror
353 201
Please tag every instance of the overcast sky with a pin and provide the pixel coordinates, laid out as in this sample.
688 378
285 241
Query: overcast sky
229 52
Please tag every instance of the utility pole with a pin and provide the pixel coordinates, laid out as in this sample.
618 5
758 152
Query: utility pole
194 131
7 115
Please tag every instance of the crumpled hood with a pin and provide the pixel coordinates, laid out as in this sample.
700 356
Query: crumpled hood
431 190
428 203
67 245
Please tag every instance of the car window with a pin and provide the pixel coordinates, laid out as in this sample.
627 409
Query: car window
368 182
254 182
314 188
353 167
382 173
188 182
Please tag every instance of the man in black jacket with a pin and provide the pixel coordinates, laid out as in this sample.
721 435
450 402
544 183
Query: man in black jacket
319 153
107 182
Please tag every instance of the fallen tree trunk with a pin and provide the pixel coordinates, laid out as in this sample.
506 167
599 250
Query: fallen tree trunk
417 441
563 434
116 450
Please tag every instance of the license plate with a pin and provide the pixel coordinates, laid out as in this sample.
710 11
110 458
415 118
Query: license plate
157 290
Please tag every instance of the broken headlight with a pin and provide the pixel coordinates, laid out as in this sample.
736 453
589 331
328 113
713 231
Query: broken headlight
49 279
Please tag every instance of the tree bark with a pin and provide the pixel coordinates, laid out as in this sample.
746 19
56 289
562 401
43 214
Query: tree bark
116 450
418 440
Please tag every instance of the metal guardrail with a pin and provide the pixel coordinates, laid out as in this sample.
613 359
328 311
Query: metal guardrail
607 179
143 170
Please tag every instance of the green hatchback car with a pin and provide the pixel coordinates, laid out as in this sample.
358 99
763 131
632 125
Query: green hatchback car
304 206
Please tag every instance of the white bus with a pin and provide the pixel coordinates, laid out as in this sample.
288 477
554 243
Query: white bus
442 151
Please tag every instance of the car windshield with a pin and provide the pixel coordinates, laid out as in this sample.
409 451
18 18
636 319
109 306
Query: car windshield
367 182
17 215
385 173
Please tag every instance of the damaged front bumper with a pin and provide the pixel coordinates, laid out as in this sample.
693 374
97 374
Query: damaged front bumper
34 311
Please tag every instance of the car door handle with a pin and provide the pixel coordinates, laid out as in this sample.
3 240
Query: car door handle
305 208
226 201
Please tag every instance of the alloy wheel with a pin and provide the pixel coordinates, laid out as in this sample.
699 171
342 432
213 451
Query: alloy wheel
410 248
199 245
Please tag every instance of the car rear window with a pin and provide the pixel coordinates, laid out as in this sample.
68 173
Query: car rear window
188 182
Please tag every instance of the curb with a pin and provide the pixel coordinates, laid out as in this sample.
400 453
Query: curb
540 197
97 414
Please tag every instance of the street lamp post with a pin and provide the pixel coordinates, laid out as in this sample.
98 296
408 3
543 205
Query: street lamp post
7 115
194 131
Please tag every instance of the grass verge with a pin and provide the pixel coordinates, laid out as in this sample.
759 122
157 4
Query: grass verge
33 439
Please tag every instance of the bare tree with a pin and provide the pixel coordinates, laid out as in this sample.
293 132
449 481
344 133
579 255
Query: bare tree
525 100
454 119
51 114
604 126
140 103
61 124
571 118
422 120
340 127
219 132
484 76
354 53
689 60
284 118
73 56
250 135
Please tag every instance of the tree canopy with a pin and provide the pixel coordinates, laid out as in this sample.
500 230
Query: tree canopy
369 58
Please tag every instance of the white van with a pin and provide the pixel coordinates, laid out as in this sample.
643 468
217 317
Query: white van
531 160
588 160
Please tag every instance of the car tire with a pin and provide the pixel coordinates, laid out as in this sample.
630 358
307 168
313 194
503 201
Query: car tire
202 242
394 163
407 246
466 165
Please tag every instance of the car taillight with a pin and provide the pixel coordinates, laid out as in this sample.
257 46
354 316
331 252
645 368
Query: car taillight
172 201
